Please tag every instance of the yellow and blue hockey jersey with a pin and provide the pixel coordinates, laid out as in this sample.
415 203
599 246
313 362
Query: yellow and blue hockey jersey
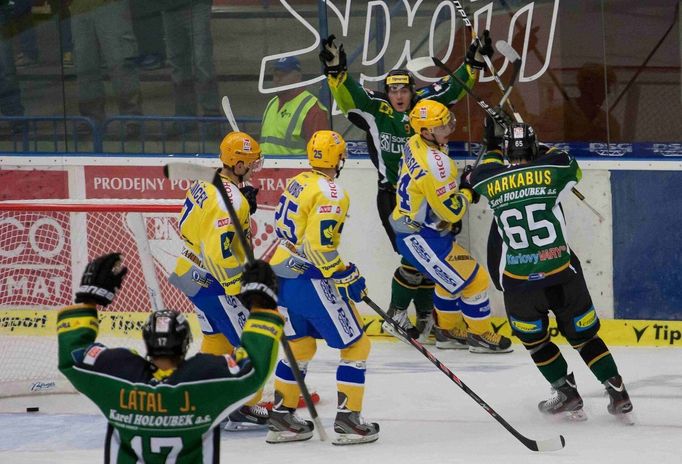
309 219
210 240
427 193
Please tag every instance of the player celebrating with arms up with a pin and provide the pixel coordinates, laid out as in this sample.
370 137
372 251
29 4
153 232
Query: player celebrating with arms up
317 292
384 117
165 408
428 203
533 265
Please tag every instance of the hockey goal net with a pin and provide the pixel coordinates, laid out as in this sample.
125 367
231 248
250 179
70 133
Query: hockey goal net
44 247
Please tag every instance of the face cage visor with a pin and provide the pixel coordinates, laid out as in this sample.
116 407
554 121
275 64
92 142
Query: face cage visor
256 165
445 130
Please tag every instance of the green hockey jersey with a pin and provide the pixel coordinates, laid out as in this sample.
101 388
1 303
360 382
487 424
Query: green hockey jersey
389 130
164 416
527 244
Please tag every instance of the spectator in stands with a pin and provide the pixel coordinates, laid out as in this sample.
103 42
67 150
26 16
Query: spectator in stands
148 24
61 9
189 48
10 94
582 118
103 35
26 32
293 116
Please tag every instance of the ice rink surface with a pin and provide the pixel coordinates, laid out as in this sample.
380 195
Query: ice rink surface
424 416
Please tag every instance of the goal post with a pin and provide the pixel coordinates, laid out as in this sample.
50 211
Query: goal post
44 247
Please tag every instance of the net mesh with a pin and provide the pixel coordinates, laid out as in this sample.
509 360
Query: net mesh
43 254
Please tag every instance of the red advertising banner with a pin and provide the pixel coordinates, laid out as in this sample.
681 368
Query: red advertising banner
25 184
37 248
35 259
148 182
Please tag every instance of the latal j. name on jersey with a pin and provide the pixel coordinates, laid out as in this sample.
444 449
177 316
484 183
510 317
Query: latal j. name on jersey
146 401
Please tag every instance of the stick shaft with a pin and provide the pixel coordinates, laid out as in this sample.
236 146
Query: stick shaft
291 359
530 444
467 22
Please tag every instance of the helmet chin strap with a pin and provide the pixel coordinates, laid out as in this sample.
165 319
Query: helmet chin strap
240 178
339 167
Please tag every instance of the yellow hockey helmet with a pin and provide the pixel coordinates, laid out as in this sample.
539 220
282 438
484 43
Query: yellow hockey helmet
239 146
430 114
326 149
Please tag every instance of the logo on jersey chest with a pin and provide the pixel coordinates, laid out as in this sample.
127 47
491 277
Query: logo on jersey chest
327 232
391 143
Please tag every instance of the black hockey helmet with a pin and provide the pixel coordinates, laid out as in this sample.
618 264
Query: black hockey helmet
520 141
399 77
166 333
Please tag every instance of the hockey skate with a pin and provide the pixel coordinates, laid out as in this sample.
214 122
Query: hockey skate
425 327
247 418
488 342
453 339
400 317
565 401
619 400
352 429
284 425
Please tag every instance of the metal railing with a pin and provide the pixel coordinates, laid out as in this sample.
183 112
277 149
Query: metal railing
118 134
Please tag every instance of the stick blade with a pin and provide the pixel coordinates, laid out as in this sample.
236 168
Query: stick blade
419 64
180 171
227 109
507 51
550 444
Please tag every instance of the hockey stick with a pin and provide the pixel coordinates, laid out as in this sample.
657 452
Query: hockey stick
229 114
552 444
467 23
496 113
509 53
177 171
427 61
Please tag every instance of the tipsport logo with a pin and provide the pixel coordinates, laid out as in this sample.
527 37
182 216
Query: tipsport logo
659 332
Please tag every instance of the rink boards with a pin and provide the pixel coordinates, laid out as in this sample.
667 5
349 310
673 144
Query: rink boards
17 322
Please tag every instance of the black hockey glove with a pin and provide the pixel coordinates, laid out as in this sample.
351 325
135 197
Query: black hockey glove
259 286
465 183
474 56
101 280
250 193
494 134
333 57
456 227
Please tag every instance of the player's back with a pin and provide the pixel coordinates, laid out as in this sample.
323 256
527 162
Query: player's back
209 234
308 221
153 418
525 199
